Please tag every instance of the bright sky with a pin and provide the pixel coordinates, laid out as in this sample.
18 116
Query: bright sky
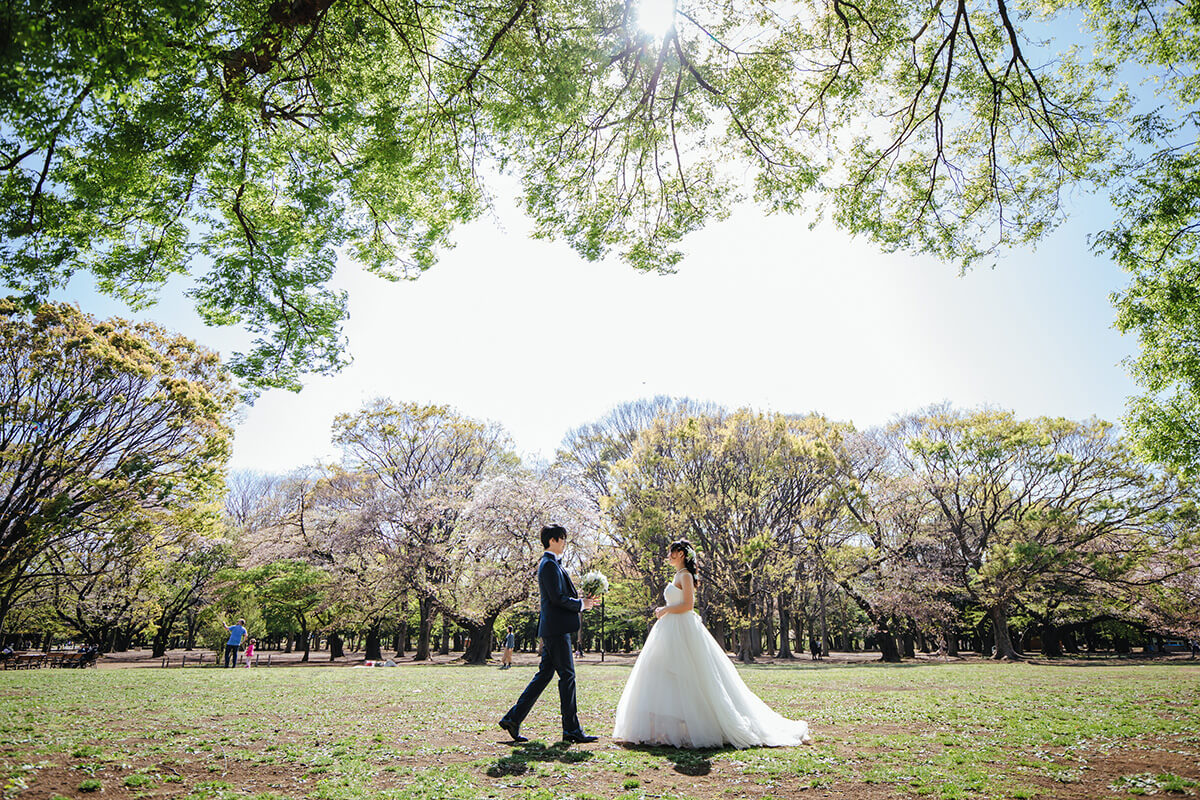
763 313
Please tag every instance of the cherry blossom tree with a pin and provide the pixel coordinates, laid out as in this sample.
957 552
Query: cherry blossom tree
423 464
492 562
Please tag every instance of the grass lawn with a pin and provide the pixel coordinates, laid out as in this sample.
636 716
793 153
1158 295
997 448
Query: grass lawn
958 730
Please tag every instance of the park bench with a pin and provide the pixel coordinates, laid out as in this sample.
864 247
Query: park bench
38 660
24 661
68 660
78 660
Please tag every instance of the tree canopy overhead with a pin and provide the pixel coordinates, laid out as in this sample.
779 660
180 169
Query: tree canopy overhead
246 143
142 139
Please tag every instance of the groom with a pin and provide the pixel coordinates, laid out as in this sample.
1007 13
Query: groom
558 620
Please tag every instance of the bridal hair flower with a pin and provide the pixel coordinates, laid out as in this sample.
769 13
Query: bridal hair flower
691 554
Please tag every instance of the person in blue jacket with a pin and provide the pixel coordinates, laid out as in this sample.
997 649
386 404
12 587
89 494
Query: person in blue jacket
559 618
236 634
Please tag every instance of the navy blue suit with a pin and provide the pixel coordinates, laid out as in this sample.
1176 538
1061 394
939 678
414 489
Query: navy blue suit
559 618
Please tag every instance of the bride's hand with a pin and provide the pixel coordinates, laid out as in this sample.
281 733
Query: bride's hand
660 612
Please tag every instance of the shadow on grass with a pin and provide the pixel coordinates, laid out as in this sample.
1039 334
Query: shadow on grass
687 762
517 762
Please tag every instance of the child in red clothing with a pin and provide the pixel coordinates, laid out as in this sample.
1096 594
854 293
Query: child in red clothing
249 652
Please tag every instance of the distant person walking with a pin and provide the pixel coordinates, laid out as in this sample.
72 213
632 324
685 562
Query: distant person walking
509 643
236 634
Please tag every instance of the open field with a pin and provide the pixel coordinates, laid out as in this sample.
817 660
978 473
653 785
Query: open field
976 729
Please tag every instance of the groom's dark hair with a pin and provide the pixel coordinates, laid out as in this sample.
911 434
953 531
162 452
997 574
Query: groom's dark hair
552 532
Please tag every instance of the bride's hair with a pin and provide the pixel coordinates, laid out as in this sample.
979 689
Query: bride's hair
689 556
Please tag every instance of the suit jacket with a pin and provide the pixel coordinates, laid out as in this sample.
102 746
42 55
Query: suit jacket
560 605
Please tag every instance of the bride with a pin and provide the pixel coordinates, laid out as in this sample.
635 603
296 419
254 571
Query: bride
684 691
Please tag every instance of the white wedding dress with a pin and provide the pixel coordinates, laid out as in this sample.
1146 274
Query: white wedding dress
684 691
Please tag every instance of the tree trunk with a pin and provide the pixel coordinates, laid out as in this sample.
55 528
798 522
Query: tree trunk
5 605
768 626
337 648
745 645
952 643
718 628
307 645
401 639
444 650
425 629
193 622
481 641
744 634
160 644
162 637
798 629
909 649
745 651
986 639
888 651
1090 640
374 644
1004 647
1051 641
785 628
824 616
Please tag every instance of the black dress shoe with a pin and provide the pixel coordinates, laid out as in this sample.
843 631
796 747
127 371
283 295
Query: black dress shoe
579 738
514 730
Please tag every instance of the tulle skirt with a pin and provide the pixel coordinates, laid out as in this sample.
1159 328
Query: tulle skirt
684 691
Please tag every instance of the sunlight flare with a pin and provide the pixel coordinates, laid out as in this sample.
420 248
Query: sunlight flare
656 17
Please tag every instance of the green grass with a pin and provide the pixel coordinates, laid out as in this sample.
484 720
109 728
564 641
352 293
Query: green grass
1148 783
968 730
138 779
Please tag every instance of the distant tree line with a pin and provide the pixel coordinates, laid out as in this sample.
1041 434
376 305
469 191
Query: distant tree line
947 529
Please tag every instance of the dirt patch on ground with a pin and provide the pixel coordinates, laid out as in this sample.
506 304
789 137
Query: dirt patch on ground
499 767
169 779
1113 774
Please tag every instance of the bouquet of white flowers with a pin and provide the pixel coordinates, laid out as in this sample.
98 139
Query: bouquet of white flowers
594 584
